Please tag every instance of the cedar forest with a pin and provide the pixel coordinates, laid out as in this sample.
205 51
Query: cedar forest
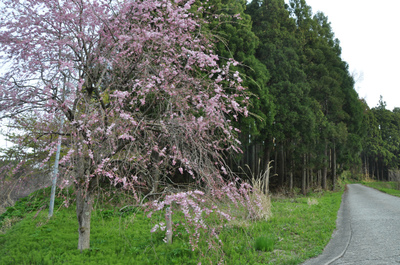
147 94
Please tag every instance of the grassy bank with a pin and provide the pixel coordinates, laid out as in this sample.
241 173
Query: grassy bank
384 186
299 229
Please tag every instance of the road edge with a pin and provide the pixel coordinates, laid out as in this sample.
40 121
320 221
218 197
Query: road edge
341 237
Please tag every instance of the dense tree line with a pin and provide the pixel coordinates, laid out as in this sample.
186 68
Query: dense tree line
309 123
381 148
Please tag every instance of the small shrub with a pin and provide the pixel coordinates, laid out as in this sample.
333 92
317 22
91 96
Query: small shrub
107 213
312 201
265 243
7 223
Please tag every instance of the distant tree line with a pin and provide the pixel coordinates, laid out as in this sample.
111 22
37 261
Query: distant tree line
381 145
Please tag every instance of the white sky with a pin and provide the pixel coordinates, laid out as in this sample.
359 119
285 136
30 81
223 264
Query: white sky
369 36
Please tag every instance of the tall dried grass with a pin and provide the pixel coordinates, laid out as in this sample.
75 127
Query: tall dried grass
259 200
261 193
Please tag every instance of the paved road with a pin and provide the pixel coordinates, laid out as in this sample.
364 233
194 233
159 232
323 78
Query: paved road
368 230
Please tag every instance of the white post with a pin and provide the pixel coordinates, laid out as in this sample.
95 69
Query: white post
55 172
168 219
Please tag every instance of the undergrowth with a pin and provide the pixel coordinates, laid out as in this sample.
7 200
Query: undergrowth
299 228
389 187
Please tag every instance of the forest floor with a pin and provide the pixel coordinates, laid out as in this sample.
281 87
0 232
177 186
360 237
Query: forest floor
299 228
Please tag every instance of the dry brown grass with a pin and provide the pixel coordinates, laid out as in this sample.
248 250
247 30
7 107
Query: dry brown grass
261 193
368 179
242 215
258 197
312 201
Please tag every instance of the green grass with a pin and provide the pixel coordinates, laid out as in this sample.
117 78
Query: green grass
388 187
265 243
299 229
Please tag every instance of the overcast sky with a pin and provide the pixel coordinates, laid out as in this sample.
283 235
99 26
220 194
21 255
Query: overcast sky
370 39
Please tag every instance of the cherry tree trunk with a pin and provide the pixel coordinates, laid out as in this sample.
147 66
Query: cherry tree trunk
84 205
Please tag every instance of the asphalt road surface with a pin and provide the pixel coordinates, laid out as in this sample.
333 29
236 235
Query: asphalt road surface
367 232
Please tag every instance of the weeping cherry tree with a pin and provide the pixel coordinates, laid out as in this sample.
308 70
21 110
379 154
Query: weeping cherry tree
141 94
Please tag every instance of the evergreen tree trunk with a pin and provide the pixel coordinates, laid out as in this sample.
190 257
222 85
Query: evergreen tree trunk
257 159
251 159
276 162
319 174
282 168
267 154
309 172
334 166
291 182
325 170
373 164
365 166
311 178
377 170
304 176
